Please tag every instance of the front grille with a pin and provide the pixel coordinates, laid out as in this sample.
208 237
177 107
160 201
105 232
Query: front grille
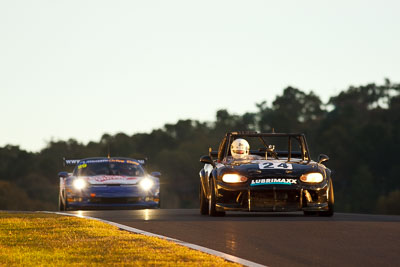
274 200
114 200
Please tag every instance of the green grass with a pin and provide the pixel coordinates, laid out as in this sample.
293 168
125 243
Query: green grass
39 239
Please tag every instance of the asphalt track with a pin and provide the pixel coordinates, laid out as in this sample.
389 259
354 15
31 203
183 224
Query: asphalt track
275 239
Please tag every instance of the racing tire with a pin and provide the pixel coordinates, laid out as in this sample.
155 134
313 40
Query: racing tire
212 209
203 201
331 202
61 204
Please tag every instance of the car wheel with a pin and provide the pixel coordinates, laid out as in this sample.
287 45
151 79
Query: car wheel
212 211
331 202
203 201
61 204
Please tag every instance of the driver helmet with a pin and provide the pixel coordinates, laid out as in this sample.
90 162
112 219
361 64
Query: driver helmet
240 148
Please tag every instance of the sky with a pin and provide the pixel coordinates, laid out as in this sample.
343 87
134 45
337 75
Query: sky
79 69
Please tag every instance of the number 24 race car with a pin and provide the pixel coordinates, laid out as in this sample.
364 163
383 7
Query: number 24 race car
278 176
111 183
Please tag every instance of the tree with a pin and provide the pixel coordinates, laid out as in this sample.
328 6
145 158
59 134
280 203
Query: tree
360 133
291 111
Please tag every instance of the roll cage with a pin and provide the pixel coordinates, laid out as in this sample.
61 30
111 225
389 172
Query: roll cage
304 154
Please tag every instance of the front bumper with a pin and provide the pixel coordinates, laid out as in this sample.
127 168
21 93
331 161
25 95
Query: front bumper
281 198
112 197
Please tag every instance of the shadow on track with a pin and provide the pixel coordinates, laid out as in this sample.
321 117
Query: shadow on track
176 215
348 217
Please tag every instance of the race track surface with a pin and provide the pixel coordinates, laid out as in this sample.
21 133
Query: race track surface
276 239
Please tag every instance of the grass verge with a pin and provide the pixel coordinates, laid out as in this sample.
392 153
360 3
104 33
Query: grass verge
38 239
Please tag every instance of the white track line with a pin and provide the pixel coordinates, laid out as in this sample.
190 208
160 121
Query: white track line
179 242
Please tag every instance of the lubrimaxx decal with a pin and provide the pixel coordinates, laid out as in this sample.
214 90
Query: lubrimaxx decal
273 181
275 165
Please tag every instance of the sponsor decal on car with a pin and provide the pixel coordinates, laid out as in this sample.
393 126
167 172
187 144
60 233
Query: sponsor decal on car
94 161
90 161
275 165
269 181
102 179
117 160
132 162
71 161
84 165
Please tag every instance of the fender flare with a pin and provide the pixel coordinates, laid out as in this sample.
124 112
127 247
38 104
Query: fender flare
212 176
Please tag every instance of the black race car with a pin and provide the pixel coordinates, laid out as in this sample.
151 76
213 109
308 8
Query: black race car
277 176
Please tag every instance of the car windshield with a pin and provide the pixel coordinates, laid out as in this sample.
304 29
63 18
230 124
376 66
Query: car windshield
243 160
269 147
105 167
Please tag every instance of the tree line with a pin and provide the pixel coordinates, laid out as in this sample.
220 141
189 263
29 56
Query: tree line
359 129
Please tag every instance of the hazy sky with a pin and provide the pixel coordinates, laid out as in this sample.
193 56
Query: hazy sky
78 69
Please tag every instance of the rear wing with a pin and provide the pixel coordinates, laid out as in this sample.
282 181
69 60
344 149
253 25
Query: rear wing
142 161
70 162
73 162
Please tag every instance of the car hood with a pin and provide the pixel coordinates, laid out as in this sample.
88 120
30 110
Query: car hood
258 168
112 179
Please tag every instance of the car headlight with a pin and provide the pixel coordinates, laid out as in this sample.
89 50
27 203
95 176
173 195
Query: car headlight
312 178
233 178
79 183
146 184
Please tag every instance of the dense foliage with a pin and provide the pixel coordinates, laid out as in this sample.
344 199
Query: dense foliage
359 129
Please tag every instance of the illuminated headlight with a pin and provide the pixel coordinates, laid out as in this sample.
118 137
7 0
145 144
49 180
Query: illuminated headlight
146 184
312 178
233 178
79 183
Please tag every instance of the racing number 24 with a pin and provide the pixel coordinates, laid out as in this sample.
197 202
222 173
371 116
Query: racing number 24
273 165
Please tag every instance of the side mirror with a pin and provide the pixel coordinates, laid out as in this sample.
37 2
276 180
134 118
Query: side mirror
63 174
156 174
207 159
322 158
